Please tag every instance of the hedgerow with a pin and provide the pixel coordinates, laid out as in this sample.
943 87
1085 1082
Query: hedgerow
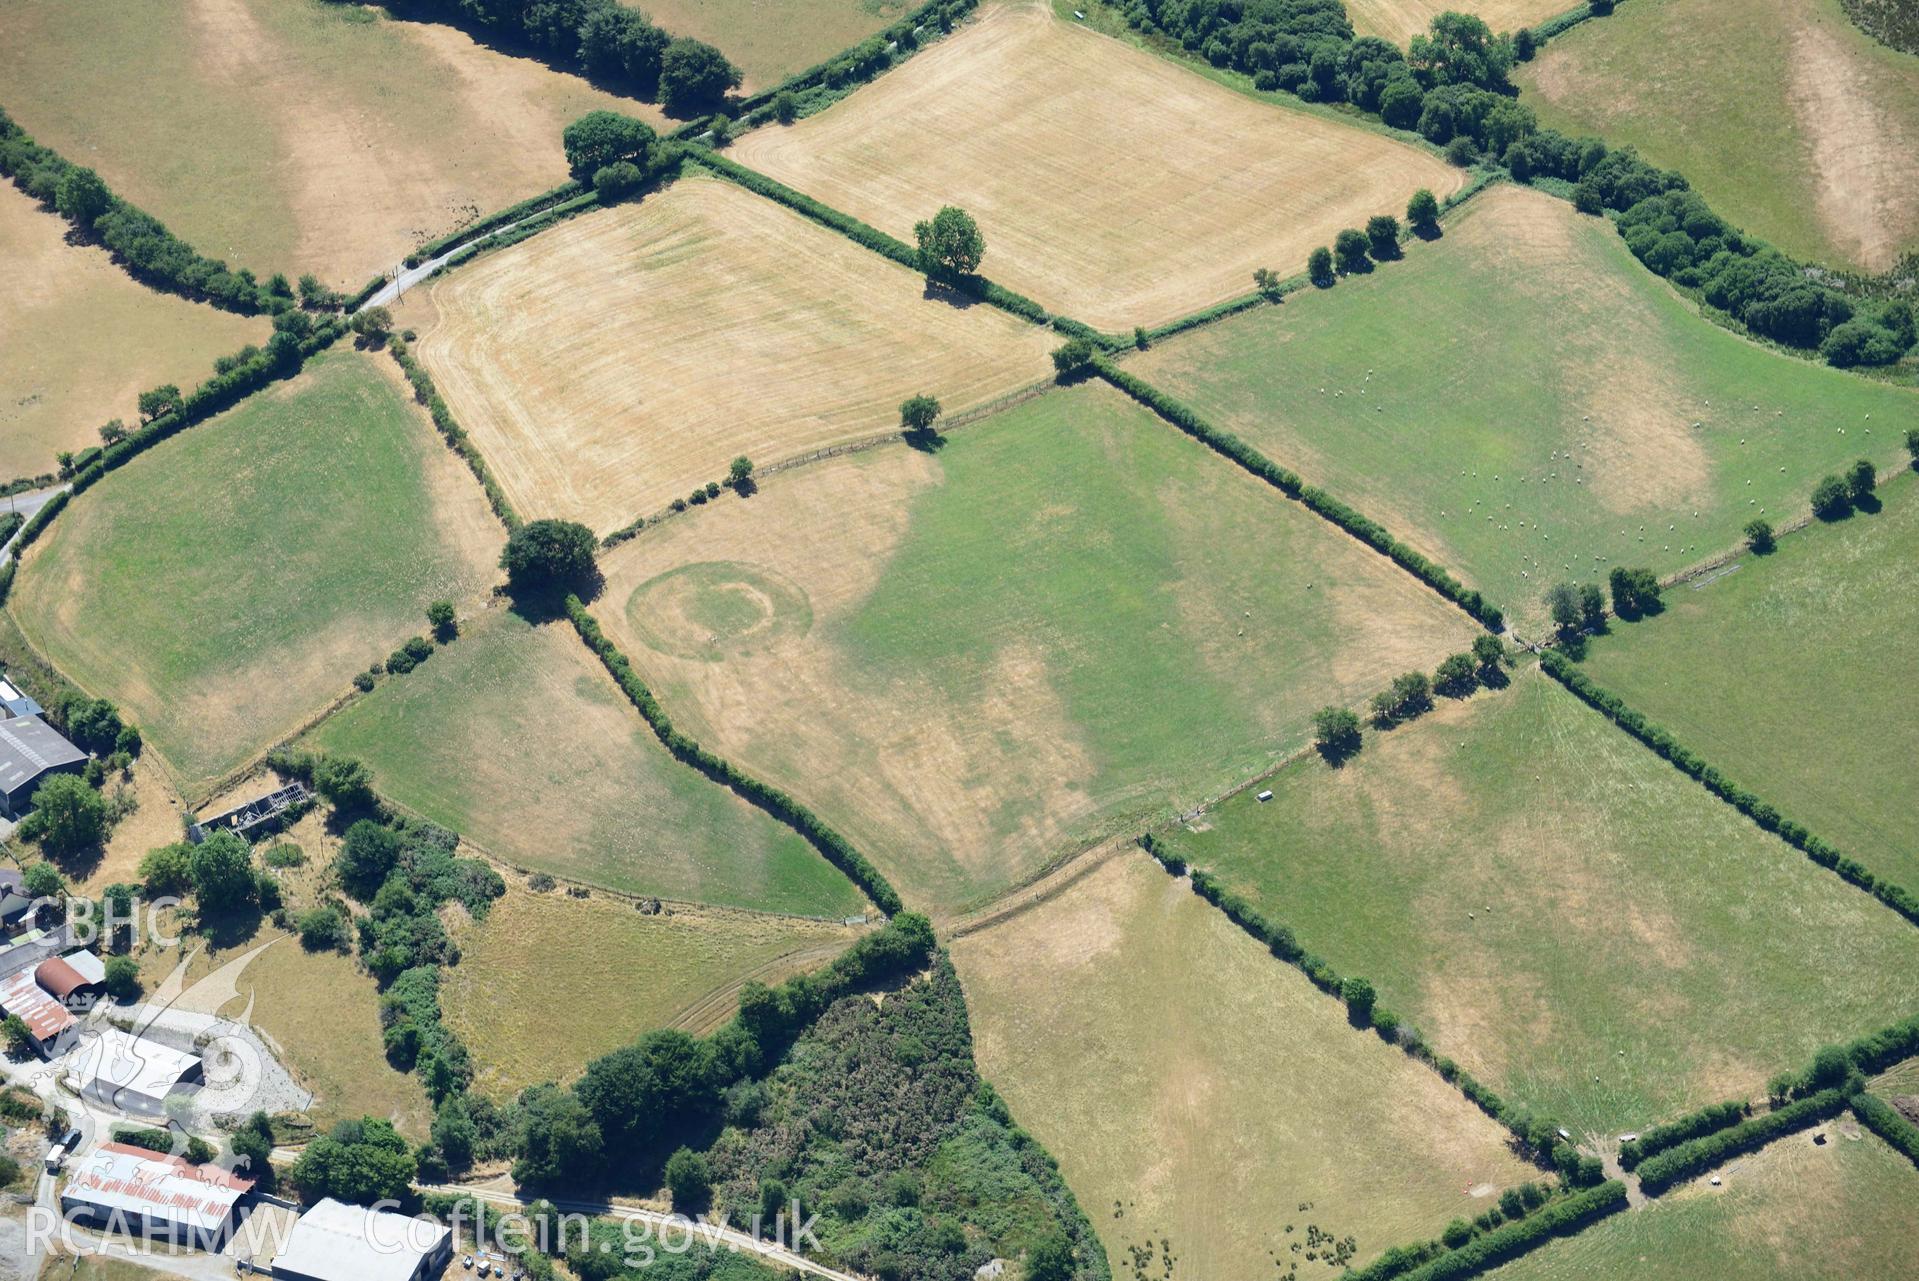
1707 1120
1658 1173
1367 530
836 849
138 241
455 435
498 218
1614 708
1885 1121
1560 1218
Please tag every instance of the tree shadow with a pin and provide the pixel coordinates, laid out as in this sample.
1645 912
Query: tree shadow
1494 677
953 295
924 439
1869 504
223 930
1428 232
1336 754
545 604
1364 267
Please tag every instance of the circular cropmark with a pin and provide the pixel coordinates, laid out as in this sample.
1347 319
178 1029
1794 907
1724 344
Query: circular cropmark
718 609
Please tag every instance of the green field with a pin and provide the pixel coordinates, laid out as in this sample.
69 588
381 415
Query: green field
1838 1212
1197 1090
771 42
1792 123
227 584
529 994
1519 400
1069 618
1788 675
1586 929
514 736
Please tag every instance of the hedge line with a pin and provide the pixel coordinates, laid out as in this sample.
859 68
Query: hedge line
1885 1121
1878 1051
1281 942
1364 528
1658 1173
834 847
1706 1120
498 218
522 231
848 67
866 235
358 298
455 435
1561 1218
1609 704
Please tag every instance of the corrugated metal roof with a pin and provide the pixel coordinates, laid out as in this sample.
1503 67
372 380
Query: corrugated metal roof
29 747
338 1242
45 1017
114 1065
59 978
118 1176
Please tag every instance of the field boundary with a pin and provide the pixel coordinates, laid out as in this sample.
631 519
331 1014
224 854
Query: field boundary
1602 700
1360 527
835 848
426 394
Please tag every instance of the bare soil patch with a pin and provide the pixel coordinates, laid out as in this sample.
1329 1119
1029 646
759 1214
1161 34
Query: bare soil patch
1110 183
615 363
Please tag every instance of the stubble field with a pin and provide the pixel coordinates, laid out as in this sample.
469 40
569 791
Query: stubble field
1587 930
1398 21
290 135
1792 122
515 736
1786 674
1068 618
1110 184
1197 1090
64 309
1527 404
228 583
611 365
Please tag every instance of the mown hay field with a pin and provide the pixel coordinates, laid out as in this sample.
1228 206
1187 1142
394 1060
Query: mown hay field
1786 674
1195 1089
1527 404
769 41
1793 123
1067 619
515 736
611 365
1841 1211
547 982
83 339
228 583
1587 930
290 135
1111 184
1398 21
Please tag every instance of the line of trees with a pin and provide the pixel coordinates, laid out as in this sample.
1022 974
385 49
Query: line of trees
1658 1173
1336 732
1707 1120
1884 1120
138 241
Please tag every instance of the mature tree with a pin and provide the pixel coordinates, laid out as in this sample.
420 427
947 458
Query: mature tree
688 1178
1382 235
1831 499
368 322
455 1133
359 1162
1461 49
1350 247
13 1030
1319 266
168 869
123 978
1488 652
368 854
919 413
601 138
1562 601
695 77
161 400
252 1148
223 878
618 179
1050 1258
1525 44
739 474
1861 479
113 432
1592 607
1635 592
550 555
1400 102
68 816
1759 536
82 197
1073 356
42 880
1336 733
559 1142
346 784
950 243
1266 281
649 1088
442 619
1457 676
1359 997
786 106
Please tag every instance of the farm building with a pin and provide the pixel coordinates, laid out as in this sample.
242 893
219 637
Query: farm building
338 1242
257 817
16 703
30 751
49 1023
122 1188
14 906
133 1074
75 981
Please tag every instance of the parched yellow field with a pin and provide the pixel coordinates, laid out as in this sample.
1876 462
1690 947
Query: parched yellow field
769 40
289 135
1068 619
530 996
1400 20
1208 1093
611 365
1111 185
82 339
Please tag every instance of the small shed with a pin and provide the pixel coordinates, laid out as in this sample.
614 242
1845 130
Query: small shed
75 981
30 751
15 703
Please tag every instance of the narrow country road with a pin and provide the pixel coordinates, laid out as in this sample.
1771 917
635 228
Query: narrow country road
407 277
26 504
712 1232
